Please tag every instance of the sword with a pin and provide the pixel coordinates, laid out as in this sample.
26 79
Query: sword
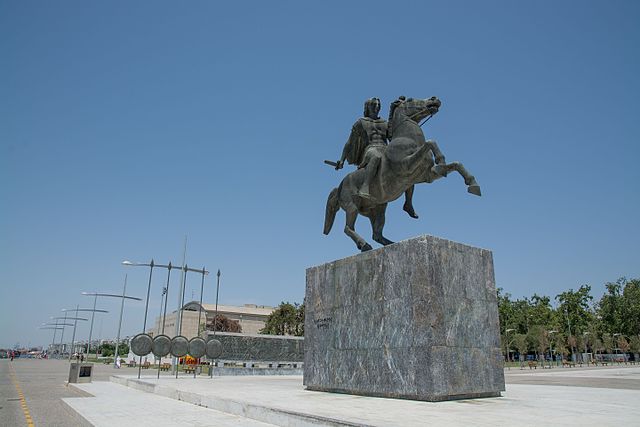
330 163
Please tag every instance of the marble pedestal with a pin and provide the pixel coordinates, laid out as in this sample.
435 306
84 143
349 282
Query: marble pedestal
415 320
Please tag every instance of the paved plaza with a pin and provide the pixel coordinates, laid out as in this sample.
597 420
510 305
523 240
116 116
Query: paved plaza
558 396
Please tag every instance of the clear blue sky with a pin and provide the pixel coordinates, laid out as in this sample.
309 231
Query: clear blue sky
125 126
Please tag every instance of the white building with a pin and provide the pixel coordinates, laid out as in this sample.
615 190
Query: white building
251 317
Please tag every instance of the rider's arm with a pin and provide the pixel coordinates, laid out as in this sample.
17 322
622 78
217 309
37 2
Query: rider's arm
349 145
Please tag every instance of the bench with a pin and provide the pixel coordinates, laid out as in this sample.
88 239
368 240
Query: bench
146 365
131 363
189 369
165 366
532 364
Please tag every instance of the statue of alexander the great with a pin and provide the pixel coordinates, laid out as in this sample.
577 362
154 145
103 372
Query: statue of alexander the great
365 148
387 170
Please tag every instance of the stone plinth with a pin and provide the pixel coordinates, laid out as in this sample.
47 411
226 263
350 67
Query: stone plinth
415 320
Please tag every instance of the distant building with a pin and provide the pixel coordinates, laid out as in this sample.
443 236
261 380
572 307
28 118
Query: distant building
251 317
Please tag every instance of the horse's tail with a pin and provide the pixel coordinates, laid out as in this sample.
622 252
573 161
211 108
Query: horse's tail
332 208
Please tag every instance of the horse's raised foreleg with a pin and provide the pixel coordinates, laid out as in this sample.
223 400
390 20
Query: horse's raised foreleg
437 154
350 230
377 219
472 185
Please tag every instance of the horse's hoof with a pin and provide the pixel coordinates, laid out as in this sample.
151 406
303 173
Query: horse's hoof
366 247
409 210
474 189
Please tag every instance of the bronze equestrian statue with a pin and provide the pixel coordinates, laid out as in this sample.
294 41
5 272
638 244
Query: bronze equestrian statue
386 171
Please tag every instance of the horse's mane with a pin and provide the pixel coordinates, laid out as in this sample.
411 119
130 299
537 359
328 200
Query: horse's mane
392 109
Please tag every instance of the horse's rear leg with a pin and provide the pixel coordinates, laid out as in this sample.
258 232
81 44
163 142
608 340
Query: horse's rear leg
377 224
472 185
350 230
408 203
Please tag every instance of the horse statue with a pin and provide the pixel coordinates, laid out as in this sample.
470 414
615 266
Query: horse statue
407 160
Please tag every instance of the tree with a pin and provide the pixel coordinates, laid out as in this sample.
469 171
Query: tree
107 349
123 349
286 319
520 315
623 344
221 323
561 345
299 331
607 342
631 308
538 338
634 344
506 312
520 343
541 312
598 346
575 309
610 307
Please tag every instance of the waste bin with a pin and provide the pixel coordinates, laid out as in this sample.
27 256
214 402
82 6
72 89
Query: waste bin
80 372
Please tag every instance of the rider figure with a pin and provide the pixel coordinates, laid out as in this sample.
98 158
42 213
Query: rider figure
365 148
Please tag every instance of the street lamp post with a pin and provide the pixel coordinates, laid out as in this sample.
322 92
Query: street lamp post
152 265
75 324
584 338
169 267
63 324
62 335
573 350
57 326
53 341
186 269
146 307
551 348
93 311
122 297
617 345
55 329
215 319
166 298
506 333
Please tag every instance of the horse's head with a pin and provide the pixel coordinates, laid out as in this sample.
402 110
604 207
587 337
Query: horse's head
414 108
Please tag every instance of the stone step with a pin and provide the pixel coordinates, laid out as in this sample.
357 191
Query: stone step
114 405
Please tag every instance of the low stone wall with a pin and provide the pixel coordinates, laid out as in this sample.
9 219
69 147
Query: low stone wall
259 348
